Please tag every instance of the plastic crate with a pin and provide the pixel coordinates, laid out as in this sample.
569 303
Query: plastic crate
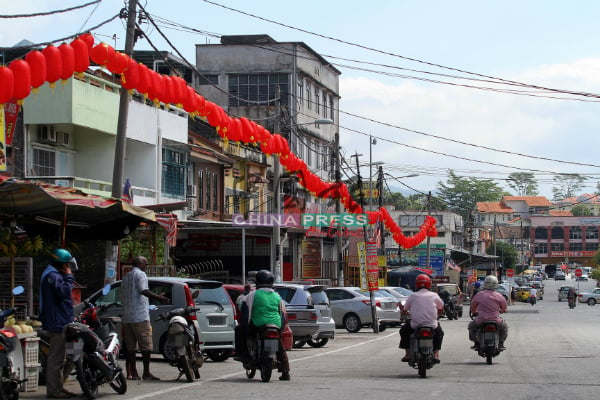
31 348
32 375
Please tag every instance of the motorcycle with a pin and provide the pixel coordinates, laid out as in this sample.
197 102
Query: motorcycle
450 309
9 379
93 346
182 342
532 300
572 303
488 336
263 350
421 347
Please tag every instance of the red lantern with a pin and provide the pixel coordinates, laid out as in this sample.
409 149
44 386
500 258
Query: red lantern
22 79
118 63
234 131
189 99
82 55
54 67
88 39
180 90
144 81
102 54
130 77
67 55
37 65
6 84
169 90
200 105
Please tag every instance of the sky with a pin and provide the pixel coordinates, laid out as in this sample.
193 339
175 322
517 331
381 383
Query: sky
419 76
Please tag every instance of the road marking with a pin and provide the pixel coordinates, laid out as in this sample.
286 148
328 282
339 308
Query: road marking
200 383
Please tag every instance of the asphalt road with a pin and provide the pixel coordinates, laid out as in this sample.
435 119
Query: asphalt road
552 353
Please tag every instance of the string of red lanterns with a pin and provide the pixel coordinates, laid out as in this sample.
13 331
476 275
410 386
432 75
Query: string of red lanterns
60 63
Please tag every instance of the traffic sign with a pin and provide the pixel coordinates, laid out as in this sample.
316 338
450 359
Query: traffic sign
510 272
578 272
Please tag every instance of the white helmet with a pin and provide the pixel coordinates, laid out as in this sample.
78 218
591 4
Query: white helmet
177 324
490 282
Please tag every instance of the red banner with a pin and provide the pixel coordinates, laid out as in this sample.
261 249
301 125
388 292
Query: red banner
11 112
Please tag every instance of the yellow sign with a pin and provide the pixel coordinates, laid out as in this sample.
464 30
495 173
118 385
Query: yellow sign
2 141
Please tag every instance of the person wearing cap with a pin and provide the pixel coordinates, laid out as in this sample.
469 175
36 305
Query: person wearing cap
56 311
487 305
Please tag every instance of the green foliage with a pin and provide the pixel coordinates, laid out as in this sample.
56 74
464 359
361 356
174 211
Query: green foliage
580 210
523 183
147 241
461 194
595 274
567 185
596 259
506 252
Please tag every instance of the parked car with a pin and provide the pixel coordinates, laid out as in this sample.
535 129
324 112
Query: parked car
591 298
455 292
559 276
563 291
351 308
583 278
539 287
215 320
399 294
235 291
523 293
504 289
315 297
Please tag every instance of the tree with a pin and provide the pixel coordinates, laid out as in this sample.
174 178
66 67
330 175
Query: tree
461 194
523 183
506 252
580 210
568 185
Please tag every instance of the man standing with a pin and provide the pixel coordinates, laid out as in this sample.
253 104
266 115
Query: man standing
56 310
137 330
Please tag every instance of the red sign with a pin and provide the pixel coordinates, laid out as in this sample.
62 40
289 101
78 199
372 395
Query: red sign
510 272
578 272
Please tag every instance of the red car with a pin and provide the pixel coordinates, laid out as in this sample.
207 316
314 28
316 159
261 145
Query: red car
236 290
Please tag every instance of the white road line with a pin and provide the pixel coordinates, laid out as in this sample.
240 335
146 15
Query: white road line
200 383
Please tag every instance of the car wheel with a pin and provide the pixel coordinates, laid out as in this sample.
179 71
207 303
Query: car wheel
319 342
299 343
591 302
352 323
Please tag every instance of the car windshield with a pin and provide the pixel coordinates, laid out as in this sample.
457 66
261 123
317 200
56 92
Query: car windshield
218 295
320 297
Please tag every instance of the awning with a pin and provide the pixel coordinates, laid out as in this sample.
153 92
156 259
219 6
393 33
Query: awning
43 208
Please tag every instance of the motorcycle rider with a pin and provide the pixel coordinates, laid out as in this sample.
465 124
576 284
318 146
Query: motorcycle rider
488 304
532 295
448 302
424 307
571 295
264 306
56 311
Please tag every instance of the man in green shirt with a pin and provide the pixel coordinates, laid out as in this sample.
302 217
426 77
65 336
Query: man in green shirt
265 306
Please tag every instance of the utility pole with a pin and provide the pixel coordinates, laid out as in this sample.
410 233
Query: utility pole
276 248
338 210
495 256
428 238
110 272
375 323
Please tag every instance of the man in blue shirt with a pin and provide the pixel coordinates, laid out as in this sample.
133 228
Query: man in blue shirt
56 310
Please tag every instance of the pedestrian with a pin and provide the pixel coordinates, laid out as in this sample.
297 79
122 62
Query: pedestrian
513 295
137 330
56 311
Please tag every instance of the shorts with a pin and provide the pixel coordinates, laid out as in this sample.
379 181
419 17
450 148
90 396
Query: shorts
138 333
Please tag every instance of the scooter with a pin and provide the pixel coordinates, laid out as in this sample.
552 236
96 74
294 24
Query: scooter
421 348
488 336
9 379
93 346
263 350
183 343
532 300
572 303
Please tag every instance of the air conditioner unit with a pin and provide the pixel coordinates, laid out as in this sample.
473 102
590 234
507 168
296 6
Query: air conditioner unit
46 134
63 138
192 190
192 203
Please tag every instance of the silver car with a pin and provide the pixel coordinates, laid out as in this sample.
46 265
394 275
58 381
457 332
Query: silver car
591 298
351 308
310 296
215 320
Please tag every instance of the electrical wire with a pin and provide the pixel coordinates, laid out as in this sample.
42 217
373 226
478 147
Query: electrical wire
40 14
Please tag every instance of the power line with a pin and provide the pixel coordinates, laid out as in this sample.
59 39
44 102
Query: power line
39 14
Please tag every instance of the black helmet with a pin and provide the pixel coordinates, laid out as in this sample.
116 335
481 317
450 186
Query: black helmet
264 278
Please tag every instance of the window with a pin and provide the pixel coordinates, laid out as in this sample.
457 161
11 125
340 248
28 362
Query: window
173 172
201 190
308 97
591 247
253 89
317 101
558 233
557 247
575 246
591 233
44 162
575 232
331 109
325 105
215 192
208 80
300 92
541 248
309 152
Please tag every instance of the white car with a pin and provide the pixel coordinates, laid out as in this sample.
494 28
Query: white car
591 298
